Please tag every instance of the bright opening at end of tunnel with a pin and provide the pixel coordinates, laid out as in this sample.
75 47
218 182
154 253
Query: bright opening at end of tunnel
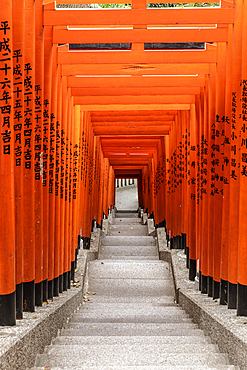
126 194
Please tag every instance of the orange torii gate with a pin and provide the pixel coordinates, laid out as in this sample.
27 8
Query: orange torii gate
72 121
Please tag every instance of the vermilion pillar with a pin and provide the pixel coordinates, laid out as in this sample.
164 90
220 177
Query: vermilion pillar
28 147
242 251
192 195
236 125
7 196
18 111
38 122
47 287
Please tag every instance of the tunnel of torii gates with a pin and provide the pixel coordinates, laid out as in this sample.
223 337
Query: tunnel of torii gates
73 121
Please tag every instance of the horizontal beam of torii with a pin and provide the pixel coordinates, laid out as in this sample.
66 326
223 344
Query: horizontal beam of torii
134 91
136 81
109 17
134 57
123 69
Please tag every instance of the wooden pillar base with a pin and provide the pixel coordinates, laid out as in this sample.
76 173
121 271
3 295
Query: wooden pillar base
216 289
29 296
56 287
69 279
19 301
7 309
61 284
45 290
50 288
210 286
232 295
72 270
242 300
200 280
65 281
204 284
223 291
39 294
192 269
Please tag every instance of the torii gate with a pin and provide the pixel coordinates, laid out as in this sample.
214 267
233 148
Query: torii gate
74 120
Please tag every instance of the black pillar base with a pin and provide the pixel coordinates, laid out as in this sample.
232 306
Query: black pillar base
19 301
200 280
50 288
76 255
204 284
60 283
192 270
216 289
8 309
29 296
241 300
45 290
188 257
223 291
184 242
65 281
69 278
56 287
39 294
232 295
210 286
73 270
79 241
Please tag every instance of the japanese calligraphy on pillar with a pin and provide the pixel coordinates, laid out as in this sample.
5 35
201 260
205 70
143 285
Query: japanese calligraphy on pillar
18 105
28 115
38 133
6 86
45 141
52 153
234 164
243 159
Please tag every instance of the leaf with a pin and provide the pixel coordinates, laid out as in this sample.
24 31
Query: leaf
93 293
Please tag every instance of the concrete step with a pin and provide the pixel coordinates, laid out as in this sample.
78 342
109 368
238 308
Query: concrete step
130 258
130 287
128 251
133 329
129 270
128 240
130 308
205 367
126 215
133 358
126 221
134 340
163 301
128 230
75 323
170 348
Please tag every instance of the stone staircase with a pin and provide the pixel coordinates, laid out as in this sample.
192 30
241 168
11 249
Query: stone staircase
129 319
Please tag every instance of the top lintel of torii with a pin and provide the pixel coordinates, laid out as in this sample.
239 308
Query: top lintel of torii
137 15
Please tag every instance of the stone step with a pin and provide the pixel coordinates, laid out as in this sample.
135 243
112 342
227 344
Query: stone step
129 270
126 221
164 348
137 358
130 258
76 323
130 287
126 215
127 251
134 340
128 240
128 230
205 367
161 300
133 329
130 308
